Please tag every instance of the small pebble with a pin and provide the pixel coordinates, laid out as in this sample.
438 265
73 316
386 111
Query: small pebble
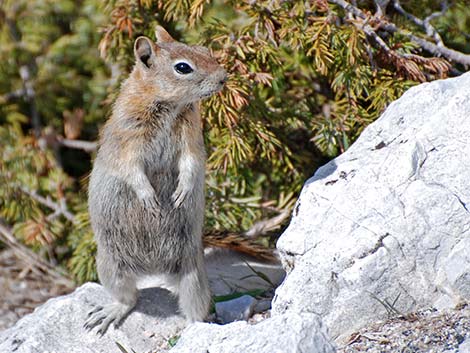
236 309
262 305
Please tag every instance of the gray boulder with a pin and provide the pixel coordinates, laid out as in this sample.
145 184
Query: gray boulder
57 325
385 228
290 333
464 347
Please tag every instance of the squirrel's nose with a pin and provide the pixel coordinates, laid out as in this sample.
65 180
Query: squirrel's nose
223 80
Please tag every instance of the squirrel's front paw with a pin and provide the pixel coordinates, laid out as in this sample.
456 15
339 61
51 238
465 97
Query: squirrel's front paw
179 196
150 202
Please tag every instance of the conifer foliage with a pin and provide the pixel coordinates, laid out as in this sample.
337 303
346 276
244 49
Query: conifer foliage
306 77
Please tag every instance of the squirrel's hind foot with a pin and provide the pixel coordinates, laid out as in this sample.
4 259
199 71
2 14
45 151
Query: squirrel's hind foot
103 316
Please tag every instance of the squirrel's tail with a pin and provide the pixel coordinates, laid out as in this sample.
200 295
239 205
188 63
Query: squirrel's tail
238 242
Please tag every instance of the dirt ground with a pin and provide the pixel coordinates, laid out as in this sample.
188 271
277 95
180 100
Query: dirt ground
427 331
21 291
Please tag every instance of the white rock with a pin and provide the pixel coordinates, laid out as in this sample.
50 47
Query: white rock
464 347
387 223
57 326
290 333
236 309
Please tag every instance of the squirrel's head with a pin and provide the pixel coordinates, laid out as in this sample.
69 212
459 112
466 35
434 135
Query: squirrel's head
179 72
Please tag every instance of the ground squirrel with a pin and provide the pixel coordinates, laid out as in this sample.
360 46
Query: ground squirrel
146 192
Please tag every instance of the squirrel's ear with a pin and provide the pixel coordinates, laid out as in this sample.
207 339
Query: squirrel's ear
162 35
144 51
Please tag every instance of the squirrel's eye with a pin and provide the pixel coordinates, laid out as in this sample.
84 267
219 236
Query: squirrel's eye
183 68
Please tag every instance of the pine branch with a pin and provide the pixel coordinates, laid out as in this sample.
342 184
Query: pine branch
366 28
10 96
432 48
390 27
60 208
430 30
26 76
32 259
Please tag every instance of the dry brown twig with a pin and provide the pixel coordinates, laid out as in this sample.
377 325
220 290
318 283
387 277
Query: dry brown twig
266 225
50 139
87 146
